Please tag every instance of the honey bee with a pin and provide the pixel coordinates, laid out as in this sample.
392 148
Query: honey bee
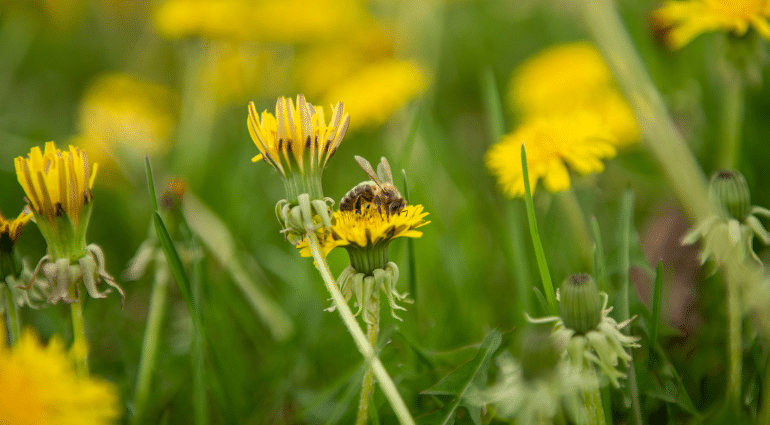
379 191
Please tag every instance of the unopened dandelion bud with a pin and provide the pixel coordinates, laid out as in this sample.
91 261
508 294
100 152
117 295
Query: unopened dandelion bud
539 353
729 195
580 305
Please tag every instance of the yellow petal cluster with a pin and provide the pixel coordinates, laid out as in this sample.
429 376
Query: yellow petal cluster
10 230
370 228
555 146
56 182
572 78
283 139
39 385
681 21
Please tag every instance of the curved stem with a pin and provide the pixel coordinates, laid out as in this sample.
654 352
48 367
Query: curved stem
386 383
367 388
79 341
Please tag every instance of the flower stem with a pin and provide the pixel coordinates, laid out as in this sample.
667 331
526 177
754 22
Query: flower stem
732 117
734 345
13 315
385 381
576 218
658 129
79 341
593 402
151 340
367 388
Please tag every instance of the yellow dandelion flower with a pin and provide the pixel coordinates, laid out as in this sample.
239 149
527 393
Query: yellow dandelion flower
262 20
681 21
10 230
297 142
554 146
361 231
58 187
121 114
540 87
373 93
39 385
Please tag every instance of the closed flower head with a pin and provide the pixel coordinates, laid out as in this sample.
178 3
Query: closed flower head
10 230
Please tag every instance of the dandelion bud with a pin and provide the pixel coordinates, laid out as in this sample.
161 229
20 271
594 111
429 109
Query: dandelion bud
580 304
539 354
729 194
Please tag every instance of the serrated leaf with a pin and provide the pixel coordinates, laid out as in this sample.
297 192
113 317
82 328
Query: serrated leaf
458 382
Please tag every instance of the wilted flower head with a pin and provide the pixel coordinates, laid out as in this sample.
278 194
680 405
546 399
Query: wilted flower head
39 385
554 146
680 22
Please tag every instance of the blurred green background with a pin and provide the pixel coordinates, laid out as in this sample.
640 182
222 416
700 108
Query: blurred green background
126 79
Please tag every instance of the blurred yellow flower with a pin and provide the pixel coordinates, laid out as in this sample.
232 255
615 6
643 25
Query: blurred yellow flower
681 21
368 229
38 385
262 20
233 72
569 78
120 113
10 230
373 93
555 145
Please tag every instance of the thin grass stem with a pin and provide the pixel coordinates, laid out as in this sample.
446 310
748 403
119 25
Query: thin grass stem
385 381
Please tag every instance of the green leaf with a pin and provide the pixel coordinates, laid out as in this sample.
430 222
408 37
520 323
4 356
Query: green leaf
655 319
458 382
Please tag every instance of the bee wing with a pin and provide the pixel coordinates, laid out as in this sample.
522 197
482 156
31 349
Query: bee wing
383 171
368 169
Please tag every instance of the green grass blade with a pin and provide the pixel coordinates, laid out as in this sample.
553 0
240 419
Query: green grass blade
494 107
172 256
200 404
410 250
151 183
542 265
600 269
655 319
412 136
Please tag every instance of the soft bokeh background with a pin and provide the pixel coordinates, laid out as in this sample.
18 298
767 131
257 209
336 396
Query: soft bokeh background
171 80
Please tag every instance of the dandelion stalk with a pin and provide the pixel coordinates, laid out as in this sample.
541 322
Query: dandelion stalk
79 341
367 388
577 222
734 344
593 402
150 342
363 345
732 117
13 315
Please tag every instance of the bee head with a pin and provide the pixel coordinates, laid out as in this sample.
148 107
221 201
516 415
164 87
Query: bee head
396 206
